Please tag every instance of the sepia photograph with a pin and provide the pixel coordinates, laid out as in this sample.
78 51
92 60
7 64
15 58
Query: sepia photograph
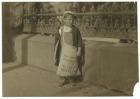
70 49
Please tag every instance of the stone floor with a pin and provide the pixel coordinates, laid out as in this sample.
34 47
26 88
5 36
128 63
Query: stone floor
24 80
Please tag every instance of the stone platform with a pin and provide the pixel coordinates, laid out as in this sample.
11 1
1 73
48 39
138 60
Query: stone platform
107 63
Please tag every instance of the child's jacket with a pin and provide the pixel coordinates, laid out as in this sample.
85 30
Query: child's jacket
77 42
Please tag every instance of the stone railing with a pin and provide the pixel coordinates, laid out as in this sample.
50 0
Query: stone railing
99 24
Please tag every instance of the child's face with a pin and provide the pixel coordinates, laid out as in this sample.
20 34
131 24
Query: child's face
68 20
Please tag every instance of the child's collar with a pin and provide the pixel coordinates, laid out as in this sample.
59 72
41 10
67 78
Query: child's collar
67 26
62 27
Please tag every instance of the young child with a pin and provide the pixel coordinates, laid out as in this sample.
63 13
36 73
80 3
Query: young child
68 50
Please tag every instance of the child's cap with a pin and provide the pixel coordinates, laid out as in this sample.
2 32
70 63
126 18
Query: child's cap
69 12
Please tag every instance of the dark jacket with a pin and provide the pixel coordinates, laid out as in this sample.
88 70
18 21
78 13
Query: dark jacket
77 42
